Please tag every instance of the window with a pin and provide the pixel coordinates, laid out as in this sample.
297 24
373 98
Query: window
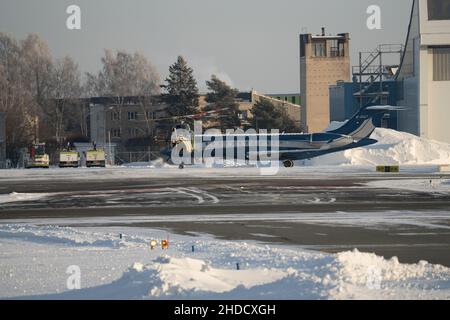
293 100
151 115
115 116
115 133
441 64
132 115
133 132
319 49
336 48
438 9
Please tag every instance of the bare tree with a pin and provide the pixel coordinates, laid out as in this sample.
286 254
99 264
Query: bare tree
126 75
37 67
65 90
16 99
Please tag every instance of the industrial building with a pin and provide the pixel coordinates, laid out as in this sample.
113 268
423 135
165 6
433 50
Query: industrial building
128 128
374 83
324 60
285 102
424 75
286 97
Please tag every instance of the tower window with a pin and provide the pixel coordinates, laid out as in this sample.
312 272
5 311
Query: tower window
319 49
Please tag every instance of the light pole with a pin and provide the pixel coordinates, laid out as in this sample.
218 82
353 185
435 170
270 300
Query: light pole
109 134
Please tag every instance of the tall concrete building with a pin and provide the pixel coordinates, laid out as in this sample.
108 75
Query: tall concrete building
324 60
424 76
2 141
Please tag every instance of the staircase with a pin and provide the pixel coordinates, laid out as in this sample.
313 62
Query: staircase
371 73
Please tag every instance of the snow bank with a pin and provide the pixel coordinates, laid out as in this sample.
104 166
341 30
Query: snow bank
158 163
186 274
208 273
393 148
19 197
367 276
347 275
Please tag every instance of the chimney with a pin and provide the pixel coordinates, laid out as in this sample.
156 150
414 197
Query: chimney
323 31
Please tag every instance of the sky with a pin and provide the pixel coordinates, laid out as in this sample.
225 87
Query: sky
251 44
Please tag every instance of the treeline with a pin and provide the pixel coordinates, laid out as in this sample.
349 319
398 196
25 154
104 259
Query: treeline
42 96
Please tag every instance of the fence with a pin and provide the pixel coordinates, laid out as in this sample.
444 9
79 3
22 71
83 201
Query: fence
136 157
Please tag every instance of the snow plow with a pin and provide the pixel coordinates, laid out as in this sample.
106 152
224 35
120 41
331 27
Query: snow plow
68 159
36 157
95 158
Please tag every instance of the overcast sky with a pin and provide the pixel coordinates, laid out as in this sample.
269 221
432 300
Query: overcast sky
250 43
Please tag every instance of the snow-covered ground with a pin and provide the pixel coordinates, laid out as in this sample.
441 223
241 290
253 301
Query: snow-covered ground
434 186
34 261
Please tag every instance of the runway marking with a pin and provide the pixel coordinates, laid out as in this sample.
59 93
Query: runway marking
202 192
196 193
319 200
180 190
240 189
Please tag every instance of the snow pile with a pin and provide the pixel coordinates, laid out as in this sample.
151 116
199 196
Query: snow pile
348 275
393 148
130 270
191 275
367 276
19 197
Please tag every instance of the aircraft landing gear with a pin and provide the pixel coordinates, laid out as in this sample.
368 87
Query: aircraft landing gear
181 166
288 163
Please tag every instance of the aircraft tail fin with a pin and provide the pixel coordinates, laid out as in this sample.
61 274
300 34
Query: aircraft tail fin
361 125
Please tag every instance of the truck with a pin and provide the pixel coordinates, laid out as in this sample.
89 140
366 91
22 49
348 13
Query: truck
95 158
36 157
69 159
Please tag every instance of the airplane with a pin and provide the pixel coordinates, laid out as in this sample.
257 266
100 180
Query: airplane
355 133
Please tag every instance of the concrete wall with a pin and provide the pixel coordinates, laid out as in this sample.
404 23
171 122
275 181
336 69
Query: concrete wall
438 109
427 100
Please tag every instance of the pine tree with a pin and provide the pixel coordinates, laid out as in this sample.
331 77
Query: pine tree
268 116
182 92
223 99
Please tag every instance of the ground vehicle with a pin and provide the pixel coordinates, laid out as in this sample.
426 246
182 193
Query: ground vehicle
36 157
68 159
95 158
